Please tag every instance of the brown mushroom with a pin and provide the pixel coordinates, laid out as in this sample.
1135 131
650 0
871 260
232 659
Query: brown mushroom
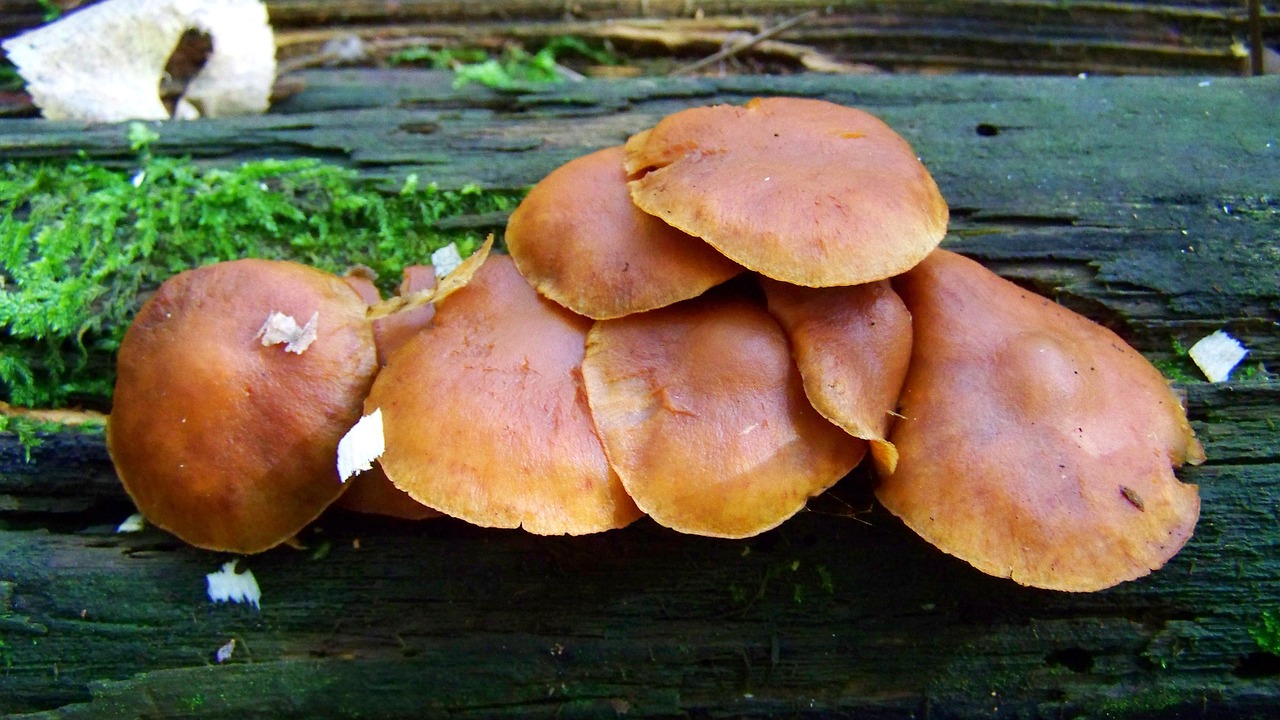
485 418
703 415
579 240
221 439
852 345
803 191
1035 444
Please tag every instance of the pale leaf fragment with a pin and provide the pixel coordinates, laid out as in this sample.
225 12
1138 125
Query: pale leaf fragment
362 444
1217 355
105 63
227 585
281 329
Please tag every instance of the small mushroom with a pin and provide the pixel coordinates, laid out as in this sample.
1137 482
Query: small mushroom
579 240
224 441
1035 444
803 191
485 417
704 417
852 345
371 491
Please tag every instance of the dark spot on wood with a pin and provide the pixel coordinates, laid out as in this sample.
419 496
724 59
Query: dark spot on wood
1258 665
1075 659
986 130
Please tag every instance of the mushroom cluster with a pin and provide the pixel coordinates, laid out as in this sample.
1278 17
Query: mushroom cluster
714 323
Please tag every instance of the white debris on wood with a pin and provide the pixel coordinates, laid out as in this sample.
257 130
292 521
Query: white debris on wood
227 585
1217 355
446 260
224 653
105 63
132 524
362 444
283 329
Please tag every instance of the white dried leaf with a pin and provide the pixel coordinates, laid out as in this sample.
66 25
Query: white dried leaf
283 329
446 260
227 585
104 63
1217 355
362 444
224 653
132 524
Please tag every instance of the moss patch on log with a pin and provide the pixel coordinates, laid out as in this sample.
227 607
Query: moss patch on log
81 245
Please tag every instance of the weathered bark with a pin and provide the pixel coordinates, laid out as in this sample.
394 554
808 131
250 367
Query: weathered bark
1148 205
1003 35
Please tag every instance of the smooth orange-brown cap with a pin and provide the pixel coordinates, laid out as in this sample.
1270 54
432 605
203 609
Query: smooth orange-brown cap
224 441
852 345
704 417
1035 444
579 240
485 417
803 191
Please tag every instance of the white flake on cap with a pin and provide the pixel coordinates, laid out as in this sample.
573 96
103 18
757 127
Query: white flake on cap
362 444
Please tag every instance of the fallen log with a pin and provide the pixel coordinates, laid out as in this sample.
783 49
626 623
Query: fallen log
1147 204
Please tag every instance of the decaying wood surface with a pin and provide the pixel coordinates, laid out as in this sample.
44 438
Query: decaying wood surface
1041 36
1147 204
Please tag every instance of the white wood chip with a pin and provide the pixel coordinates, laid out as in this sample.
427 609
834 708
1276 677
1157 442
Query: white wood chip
227 585
132 524
224 653
1217 355
283 329
362 444
446 260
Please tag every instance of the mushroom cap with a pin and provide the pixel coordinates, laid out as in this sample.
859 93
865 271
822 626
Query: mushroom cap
852 345
1035 444
373 493
485 418
803 191
219 439
703 415
579 240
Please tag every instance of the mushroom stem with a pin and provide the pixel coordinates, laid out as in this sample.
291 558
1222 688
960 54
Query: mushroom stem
448 284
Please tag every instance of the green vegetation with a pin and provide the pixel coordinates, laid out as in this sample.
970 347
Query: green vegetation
1267 635
514 68
80 244
1178 368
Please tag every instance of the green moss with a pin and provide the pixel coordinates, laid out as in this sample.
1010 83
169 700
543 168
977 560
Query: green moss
1267 634
1178 367
80 244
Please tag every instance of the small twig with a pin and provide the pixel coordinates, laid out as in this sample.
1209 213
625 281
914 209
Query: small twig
61 416
745 44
